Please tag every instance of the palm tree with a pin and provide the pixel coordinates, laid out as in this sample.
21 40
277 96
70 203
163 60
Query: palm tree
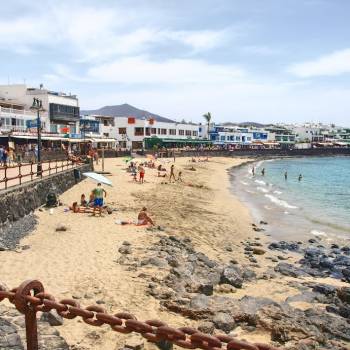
207 117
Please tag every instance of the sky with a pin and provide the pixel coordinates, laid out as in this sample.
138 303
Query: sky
241 60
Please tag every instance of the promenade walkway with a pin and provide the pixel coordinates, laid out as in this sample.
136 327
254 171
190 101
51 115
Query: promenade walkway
21 173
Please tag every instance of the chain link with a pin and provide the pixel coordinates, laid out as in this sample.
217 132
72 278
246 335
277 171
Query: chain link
123 322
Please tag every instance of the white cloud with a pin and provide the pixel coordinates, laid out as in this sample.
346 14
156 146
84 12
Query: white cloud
141 70
261 50
100 33
336 63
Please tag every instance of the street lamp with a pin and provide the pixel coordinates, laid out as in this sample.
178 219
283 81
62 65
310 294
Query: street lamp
38 107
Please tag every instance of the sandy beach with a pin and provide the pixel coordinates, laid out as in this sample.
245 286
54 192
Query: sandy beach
84 263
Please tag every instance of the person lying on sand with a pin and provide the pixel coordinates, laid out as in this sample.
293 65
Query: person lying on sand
143 218
76 209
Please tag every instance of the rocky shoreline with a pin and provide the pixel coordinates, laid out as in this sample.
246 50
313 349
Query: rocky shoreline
187 282
12 233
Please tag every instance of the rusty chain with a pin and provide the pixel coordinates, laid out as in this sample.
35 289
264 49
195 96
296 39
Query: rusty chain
31 297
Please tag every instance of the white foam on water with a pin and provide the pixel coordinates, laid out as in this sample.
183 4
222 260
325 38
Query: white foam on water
260 182
262 189
280 202
286 212
318 233
267 207
277 192
244 183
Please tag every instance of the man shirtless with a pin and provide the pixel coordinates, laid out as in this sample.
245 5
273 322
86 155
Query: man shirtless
172 174
143 218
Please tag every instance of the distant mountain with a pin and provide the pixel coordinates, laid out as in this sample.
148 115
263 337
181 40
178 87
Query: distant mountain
126 110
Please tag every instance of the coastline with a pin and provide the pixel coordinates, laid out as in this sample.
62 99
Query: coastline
207 221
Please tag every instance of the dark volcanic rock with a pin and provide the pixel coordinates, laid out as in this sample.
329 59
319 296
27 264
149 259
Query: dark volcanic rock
282 245
290 270
224 321
233 276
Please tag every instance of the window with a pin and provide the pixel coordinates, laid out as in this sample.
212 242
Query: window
249 138
188 132
153 131
139 131
158 131
122 131
222 138
181 132
105 122
106 134
172 131
195 133
238 138
200 129
163 131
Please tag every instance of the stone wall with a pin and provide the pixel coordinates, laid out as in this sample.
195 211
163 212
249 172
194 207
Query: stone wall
18 201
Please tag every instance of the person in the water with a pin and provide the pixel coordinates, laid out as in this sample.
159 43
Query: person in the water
285 175
300 177
263 172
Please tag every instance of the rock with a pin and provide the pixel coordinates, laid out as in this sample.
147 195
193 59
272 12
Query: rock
199 302
344 294
126 243
154 261
25 247
312 240
100 302
206 289
125 249
134 342
164 345
52 318
206 327
232 276
259 251
172 261
289 270
253 260
2 247
228 249
234 262
263 222
225 288
61 228
282 245
224 321
325 289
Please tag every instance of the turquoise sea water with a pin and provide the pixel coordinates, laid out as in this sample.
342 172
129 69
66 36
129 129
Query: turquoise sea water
319 204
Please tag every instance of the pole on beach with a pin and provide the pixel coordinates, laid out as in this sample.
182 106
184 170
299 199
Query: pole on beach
103 158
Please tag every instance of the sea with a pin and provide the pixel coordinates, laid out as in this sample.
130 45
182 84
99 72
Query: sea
317 204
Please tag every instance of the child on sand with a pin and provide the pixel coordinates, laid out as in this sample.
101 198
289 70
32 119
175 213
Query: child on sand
143 218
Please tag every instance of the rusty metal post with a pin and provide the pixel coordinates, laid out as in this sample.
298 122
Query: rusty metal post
22 305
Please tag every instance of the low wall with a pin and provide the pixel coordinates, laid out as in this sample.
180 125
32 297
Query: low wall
270 152
18 201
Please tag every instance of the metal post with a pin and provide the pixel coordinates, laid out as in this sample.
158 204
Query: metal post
39 166
103 158
31 330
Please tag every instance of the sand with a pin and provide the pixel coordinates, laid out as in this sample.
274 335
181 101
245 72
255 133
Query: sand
81 262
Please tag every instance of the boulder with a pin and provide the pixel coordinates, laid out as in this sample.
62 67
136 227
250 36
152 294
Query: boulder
125 249
52 318
232 275
259 251
289 270
61 228
224 321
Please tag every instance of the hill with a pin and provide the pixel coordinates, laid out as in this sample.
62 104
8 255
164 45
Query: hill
126 110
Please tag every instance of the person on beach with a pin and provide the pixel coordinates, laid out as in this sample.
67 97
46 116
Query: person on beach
142 173
253 171
83 201
300 177
179 177
172 174
98 199
1 155
285 175
143 218
263 172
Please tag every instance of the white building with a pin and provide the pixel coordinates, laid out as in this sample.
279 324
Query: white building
61 113
14 116
131 132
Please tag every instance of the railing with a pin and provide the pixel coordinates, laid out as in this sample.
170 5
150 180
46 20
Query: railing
19 173
16 111
30 297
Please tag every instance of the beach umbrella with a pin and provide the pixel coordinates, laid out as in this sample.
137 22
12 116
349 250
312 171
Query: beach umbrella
98 178
128 159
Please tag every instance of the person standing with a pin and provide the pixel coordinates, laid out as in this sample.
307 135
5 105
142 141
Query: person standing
285 175
300 177
263 172
253 171
142 174
1 155
98 198
172 174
